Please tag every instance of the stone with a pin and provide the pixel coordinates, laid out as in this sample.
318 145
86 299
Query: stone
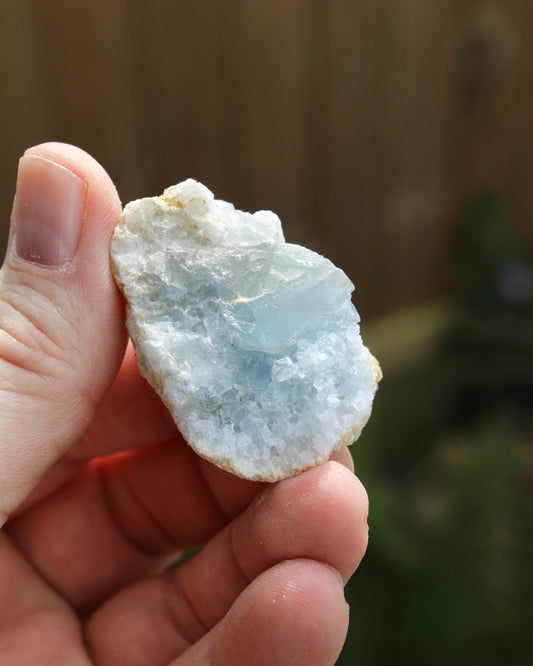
252 343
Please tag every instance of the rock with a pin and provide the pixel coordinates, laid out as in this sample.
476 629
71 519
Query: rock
252 343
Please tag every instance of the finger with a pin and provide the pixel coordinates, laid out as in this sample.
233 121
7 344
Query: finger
61 319
123 517
36 625
344 457
294 613
21 590
319 515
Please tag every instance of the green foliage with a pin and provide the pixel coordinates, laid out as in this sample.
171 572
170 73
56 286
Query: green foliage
445 578
448 463
495 268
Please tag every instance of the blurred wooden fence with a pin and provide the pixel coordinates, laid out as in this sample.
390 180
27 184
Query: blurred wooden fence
363 124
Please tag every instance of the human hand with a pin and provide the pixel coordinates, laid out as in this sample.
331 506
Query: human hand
99 493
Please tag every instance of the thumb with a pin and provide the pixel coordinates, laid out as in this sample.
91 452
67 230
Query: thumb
62 335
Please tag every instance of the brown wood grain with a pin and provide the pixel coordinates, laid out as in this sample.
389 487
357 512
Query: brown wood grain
365 125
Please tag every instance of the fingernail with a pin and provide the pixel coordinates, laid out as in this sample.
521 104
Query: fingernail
48 211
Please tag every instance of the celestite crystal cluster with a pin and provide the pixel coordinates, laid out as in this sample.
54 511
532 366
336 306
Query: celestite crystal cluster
252 343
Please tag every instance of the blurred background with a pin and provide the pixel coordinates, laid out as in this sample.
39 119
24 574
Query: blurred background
396 138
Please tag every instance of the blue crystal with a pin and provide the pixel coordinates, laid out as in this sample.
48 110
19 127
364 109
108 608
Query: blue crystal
253 343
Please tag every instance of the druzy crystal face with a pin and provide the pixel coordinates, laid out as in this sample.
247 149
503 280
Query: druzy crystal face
252 343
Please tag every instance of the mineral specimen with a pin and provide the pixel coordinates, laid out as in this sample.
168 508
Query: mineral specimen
252 343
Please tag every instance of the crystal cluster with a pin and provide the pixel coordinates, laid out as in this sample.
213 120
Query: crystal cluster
252 343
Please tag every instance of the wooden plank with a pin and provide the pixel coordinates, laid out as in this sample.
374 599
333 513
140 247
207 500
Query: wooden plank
413 131
522 184
274 83
349 232
233 116
363 124
21 111
494 103
172 52
388 132
85 88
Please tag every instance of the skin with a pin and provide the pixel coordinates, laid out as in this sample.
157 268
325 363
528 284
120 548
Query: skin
99 493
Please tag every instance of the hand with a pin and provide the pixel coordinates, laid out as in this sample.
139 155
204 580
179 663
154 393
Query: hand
99 493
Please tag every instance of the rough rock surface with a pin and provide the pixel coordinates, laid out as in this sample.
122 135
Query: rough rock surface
252 343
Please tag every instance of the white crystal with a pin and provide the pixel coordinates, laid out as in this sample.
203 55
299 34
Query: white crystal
252 343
